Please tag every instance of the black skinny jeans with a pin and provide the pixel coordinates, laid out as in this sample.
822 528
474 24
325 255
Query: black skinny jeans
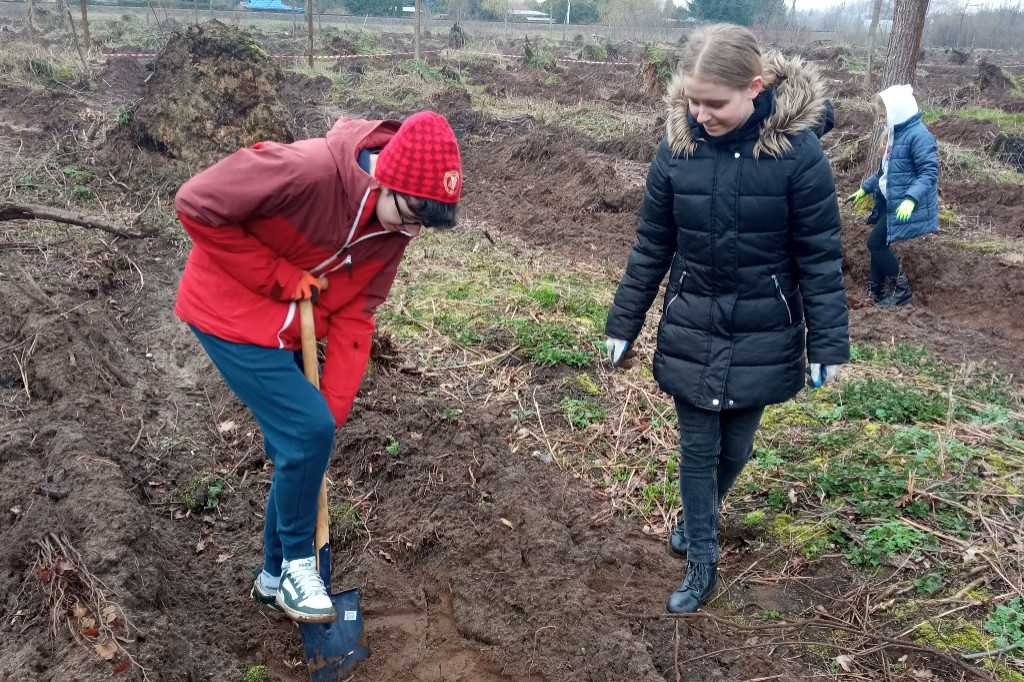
713 449
883 261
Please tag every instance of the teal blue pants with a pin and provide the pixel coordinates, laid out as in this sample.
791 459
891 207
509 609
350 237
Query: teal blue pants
298 436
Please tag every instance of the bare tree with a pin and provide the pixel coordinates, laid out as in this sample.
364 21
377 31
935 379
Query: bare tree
901 58
904 42
85 25
875 14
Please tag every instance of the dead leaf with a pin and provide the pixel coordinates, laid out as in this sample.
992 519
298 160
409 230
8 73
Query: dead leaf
387 557
107 650
91 632
87 623
226 426
221 558
922 674
79 610
508 523
970 554
108 609
792 496
120 668
845 662
204 541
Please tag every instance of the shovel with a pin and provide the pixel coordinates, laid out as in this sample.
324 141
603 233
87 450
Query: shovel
332 651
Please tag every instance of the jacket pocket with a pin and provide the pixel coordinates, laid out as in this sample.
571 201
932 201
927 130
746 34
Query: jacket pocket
679 290
782 297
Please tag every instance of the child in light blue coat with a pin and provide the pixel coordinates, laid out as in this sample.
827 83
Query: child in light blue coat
904 189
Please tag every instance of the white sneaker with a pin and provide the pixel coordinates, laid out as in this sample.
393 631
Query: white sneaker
302 595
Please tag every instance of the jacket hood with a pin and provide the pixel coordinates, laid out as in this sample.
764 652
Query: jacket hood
900 105
346 138
799 105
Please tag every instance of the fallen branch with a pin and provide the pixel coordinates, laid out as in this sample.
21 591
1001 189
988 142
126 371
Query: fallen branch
59 215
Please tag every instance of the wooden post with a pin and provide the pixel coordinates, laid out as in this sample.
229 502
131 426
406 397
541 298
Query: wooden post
416 36
309 22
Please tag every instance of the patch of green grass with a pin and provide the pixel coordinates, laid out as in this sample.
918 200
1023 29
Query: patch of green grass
393 447
1007 121
257 673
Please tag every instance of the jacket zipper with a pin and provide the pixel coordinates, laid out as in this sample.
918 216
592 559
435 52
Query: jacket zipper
785 302
679 290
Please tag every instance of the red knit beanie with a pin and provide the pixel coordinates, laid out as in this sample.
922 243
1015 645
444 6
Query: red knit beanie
422 159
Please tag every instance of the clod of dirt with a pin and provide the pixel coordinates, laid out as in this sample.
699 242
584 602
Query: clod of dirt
1008 148
213 91
993 75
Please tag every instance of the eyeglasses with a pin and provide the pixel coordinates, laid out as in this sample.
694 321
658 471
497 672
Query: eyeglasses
401 216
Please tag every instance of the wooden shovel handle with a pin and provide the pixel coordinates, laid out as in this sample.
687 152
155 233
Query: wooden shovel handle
312 370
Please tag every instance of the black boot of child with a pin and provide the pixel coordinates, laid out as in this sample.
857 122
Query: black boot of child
899 295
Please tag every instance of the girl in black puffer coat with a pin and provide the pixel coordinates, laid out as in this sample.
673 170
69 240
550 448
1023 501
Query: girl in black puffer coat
740 210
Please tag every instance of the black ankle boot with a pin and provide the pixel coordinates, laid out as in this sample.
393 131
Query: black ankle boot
698 585
900 293
677 543
876 291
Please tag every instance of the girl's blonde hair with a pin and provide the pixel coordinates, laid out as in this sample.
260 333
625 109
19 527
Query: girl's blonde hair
879 104
725 54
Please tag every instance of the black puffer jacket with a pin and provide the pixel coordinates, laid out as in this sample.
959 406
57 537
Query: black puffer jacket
747 225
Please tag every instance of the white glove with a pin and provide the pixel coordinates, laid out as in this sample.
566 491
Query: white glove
616 349
822 375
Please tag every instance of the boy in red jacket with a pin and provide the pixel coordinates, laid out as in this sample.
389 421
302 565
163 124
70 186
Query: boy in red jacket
326 219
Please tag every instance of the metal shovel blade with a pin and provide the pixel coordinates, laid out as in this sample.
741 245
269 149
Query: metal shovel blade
333 651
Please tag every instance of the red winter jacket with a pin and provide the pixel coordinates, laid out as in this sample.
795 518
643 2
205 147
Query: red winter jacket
262 216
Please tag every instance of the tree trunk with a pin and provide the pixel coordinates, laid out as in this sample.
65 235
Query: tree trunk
416 34
901 58
875 14
904 42
309 26
85 25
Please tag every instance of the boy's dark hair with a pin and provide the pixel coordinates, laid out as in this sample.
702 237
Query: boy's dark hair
432 212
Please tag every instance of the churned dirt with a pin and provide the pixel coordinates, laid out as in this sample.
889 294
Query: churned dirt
480 565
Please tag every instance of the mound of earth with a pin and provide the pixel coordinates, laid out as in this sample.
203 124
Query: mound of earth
213 91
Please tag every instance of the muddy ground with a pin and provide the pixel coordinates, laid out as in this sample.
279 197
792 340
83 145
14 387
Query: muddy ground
479 564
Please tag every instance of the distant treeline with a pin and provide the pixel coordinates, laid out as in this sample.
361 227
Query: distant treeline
956 24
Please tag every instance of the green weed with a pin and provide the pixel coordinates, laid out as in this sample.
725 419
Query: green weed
393 447
203 491
889 539
582 413
1006 623
550 344
257 673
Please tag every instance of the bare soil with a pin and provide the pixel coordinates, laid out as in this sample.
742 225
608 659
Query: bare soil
480 564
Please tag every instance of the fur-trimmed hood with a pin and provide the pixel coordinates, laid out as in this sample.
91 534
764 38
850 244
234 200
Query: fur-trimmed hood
799 105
